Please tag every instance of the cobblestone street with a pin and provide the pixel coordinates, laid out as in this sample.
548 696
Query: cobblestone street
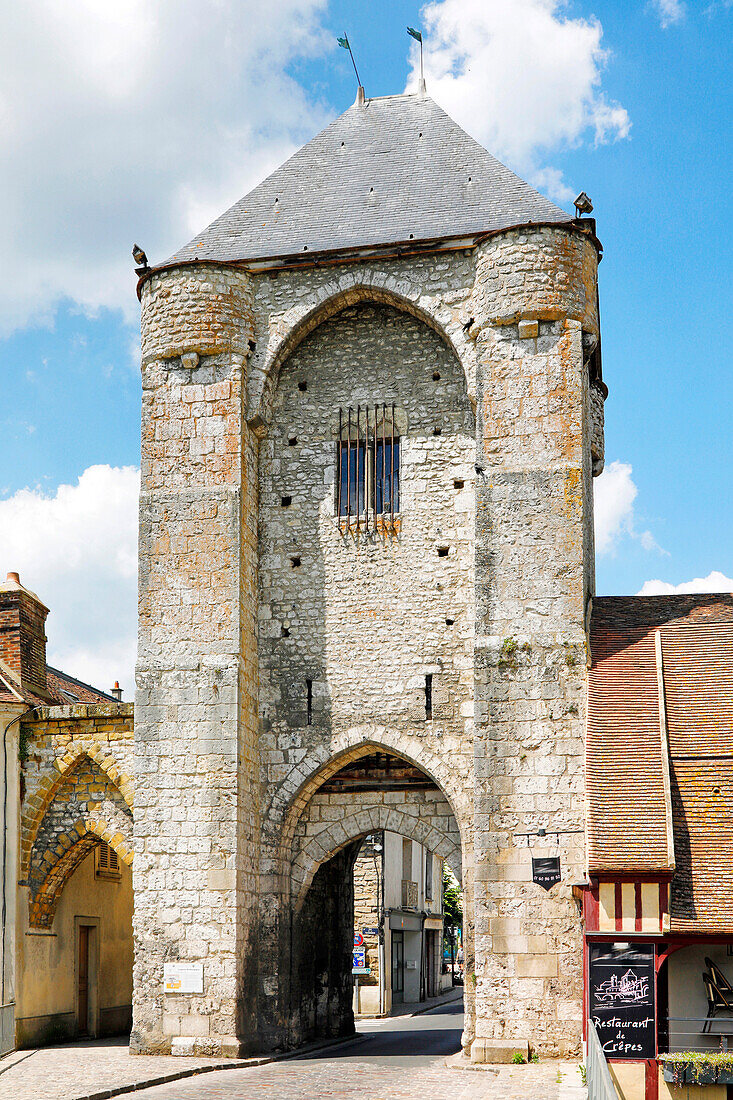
394 1059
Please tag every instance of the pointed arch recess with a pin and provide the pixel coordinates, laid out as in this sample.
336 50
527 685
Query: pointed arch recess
325 844
333 297
50 784
72 848
297 790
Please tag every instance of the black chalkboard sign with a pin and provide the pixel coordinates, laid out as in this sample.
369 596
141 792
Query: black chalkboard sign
546 871
621 998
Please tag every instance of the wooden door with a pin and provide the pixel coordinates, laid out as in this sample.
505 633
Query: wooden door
83 980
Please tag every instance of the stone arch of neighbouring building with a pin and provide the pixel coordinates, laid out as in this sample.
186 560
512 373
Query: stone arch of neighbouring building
66 764
86 807
332 298
60 862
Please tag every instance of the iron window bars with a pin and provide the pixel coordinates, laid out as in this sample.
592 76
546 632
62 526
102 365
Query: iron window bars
368 466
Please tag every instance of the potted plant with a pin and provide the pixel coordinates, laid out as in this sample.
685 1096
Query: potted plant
695 1067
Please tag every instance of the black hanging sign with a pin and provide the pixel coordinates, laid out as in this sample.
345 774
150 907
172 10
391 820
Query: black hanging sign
546 871
621 998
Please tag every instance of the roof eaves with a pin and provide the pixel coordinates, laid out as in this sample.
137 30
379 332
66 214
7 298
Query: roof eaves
393 249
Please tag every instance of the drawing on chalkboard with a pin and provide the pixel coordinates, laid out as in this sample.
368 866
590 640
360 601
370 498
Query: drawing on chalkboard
626 990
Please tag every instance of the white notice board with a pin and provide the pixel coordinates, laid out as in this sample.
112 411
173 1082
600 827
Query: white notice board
183 977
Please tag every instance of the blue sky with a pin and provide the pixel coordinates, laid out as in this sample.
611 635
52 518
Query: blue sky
142 121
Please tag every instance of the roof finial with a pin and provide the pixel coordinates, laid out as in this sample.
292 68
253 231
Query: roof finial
421 89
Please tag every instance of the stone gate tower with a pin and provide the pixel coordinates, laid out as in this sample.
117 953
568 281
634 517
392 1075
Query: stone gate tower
372 409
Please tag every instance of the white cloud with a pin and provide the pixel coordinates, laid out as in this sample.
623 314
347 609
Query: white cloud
521 76
77 550
714 582
136 121
614 494
669 11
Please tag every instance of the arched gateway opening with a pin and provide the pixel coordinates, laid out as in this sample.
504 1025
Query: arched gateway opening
373 795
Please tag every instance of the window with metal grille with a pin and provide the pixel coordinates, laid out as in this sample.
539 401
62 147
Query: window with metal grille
368 464
428 876
106 862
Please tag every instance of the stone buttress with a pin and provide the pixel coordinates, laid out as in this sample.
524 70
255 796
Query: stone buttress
535 300
197 811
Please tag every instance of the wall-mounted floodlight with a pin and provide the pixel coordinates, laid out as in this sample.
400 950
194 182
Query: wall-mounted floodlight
583 205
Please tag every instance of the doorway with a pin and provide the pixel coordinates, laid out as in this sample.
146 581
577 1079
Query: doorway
85 979
432 963
398 968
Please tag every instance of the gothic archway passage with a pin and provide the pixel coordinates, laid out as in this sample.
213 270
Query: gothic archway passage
375 793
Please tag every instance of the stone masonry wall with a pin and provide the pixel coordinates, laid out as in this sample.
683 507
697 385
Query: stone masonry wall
365 619
366 907
331 820
534 577
197 810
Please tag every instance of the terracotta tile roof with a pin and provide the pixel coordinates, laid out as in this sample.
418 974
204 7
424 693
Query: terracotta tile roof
702 888
624 759
627 805
65 689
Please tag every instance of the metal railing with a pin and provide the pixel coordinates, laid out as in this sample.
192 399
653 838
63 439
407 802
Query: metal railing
597 1073
698 1033
7 1028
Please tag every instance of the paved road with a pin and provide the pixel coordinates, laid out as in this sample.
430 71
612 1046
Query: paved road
402 1059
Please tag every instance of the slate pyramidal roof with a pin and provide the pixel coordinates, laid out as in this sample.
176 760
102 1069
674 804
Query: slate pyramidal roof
389 170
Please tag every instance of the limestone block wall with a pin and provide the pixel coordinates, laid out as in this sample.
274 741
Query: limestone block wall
597 443
533 579
255 600
197 811
195 311
320 986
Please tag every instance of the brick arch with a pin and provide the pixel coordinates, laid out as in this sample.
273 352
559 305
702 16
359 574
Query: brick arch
61 862
331 298
294 794
432 831
50 784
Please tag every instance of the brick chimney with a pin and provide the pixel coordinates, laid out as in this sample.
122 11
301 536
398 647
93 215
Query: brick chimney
23 634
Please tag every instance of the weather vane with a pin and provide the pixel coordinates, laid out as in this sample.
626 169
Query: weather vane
344 43
418 38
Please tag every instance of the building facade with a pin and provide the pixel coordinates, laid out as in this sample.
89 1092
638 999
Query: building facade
372 410
66 796
398 925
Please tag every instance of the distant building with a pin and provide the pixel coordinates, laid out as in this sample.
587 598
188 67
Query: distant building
66 943
398 907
